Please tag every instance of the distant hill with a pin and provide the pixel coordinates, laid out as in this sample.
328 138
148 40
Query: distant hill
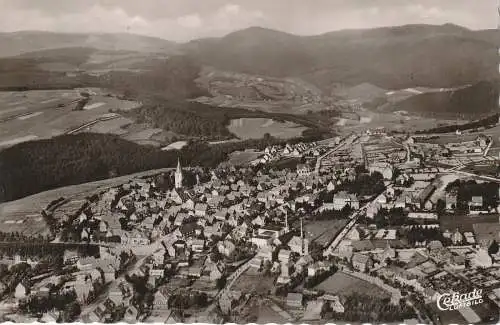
364 62
389 57
474 101
29 41
362 92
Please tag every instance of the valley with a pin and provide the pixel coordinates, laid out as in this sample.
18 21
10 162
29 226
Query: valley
164 95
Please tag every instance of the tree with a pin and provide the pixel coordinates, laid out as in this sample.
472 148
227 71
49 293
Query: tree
440 206
221 282
71 312
493 249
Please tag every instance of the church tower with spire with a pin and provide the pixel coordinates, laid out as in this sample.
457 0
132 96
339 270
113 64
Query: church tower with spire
178 175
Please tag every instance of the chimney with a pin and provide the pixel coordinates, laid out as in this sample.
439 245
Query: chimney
302 235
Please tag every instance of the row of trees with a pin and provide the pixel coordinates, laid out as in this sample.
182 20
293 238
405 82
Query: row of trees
364 184
311 282
361 307
465 190
422 234
65 302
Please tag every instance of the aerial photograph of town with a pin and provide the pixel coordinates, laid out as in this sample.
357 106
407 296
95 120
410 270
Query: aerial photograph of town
250 161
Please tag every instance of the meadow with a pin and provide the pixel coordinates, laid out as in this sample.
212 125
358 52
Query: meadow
344 284
255 128
42 114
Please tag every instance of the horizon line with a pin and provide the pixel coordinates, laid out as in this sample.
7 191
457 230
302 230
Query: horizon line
243 29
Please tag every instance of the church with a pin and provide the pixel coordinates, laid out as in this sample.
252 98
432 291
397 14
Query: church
178 175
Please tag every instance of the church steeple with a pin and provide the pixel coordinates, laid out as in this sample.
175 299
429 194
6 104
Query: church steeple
178 175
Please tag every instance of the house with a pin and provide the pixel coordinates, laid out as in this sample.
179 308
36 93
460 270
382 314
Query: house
456 237
198 245
259 221
476 202
189 204
262 241
195 271
103 226
21 291
320 266
201 209
86 263
221 214
334 302
294 300
451 201
343 199
50 317
216 272
180 219
425 194
284 256
313 310
70 256
159 257
116 295
303 170
148 223
109 273
161 299
361 262
226 247
354 234
137 238
131 314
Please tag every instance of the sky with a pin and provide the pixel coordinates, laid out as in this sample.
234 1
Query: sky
183 20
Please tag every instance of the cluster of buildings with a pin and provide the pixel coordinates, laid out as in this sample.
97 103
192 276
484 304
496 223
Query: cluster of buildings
299 150
195 244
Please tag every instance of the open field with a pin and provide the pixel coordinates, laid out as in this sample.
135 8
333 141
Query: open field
175 145
486 168
391 121
241 158
12 142
464 222
24 223
29 208
255 128
446 138
113 126
323 231
30 115
252 281
343 284
266 315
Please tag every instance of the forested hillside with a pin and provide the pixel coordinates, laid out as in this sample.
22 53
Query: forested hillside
474 101
37 166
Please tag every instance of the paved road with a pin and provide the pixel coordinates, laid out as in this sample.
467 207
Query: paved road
489 178
318 161
345 231
91 123
233 277
154 246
